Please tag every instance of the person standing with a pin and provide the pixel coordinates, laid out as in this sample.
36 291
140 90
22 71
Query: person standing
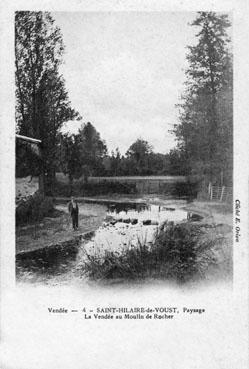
74 212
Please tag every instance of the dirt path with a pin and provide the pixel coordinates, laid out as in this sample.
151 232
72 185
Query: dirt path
52 231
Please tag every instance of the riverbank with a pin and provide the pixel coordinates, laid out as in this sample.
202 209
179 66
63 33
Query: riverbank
53 231
212 212
51 246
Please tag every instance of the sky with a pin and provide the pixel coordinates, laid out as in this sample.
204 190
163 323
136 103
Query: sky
124 72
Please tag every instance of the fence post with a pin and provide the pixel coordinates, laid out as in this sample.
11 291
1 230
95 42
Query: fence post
222 193
211 193
209 189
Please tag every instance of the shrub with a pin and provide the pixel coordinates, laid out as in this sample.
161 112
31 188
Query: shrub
33 208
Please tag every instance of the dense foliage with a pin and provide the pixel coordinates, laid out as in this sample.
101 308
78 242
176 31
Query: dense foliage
85 154
82 153
33 209
139 160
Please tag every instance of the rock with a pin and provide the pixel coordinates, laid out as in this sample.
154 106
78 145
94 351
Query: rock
168 209
194 217
134 221
147 222
126 220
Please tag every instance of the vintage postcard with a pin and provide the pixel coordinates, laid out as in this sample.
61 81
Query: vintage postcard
124 185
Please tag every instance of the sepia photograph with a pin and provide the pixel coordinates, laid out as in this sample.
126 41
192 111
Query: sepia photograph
124 148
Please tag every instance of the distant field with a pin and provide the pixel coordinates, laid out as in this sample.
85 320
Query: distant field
165 179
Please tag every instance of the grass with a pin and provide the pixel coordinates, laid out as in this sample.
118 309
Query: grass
180 252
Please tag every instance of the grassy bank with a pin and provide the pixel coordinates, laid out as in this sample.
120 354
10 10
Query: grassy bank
180 252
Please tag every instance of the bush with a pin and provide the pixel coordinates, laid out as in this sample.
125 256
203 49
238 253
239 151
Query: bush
187 189
179 252
33 208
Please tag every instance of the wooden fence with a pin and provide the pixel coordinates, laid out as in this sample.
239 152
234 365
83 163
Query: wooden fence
222 194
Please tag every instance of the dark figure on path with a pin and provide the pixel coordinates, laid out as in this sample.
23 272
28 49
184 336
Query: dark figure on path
74 212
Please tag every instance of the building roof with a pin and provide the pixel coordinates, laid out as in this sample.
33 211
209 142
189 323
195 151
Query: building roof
28 139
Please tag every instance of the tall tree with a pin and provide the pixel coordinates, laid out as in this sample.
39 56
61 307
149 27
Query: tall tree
93 150
209 75
115 162
42 103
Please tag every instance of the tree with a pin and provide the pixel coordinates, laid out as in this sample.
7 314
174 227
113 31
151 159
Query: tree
115 162
138 156
92 150
209 75
42 103
70 153
82 153
178 164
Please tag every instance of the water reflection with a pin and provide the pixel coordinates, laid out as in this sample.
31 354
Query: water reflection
144 214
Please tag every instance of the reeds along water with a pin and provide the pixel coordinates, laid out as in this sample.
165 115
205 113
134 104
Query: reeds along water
179 252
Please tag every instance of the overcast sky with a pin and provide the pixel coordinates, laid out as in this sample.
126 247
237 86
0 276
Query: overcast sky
124 72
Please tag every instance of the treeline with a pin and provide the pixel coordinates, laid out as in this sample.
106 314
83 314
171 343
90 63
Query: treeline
141 160
85 154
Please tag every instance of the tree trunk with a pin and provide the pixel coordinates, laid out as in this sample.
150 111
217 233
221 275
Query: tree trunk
70 185
41 184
